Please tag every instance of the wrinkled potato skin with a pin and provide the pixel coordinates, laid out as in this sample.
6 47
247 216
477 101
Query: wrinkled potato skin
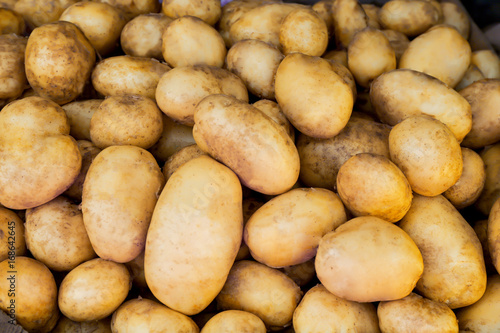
454 270
11 22
12 73
79 114
234 321
494 234
457 17
39 12
348 18
488 63
66 325
59 60
207 10
179 158
491 190
409 17
10 221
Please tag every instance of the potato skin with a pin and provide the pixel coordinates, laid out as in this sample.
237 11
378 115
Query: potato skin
234 321
11 225
348 18
11 22
494 234
207 10
66 325
79 114
491 191
179 158
409 17
40 12
12 70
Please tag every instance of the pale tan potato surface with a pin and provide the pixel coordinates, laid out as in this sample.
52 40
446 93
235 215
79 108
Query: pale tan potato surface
494 235
12 241
79 114
372 14
89 151
12 73
472 75
66 325
339 56
398 40
481 230
35 303
230 13
234 321
273 111
179 158
491 190
348 18
207 10
488 63
11 22
320 311
93 290
345 74
454 271
40 12
456 16
133 8
324 9
409 17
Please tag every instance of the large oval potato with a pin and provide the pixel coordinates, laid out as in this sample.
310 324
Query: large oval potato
12 71
454 271
255 147
12 239
195 234
494 234
234 321
117 221
408 16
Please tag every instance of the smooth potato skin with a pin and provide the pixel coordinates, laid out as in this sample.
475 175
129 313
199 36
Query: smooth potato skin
79 114
207 10
179 158
409 17
494 234
348 18
234 321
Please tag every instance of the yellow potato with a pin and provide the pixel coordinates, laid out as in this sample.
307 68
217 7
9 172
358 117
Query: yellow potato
428 154
324 9
416 312
40 12
231 12
372 14
345 74
472 75
133 8
454 271
456 16
207 10
273 111
89 151
29 296
360 273
491 190
11 22
234 321
481 230
195 234
179 158
348 18
250 205
144 315
488 63
93 290
66 325
408 16
316 100
398 41
59 60
12 241
302 273
79 114
37 152
339 56
494 234
266 161
320 311
12 73
136 269
287 229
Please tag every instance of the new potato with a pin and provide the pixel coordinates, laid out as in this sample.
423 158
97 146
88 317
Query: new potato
408 16
491 190
89 151
12 73
494 235
234 321
207 10
12 241
79 114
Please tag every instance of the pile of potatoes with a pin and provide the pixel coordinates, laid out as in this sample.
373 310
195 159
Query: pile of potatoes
182 166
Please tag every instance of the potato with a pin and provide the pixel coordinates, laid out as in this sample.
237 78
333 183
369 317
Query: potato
195 234
482 316
324 9
250 206
360 273
402 93
415 311
126 75
126 120
454 271
372 12
348 18
256 63
304 31
66 325
320 311
488 63
179 158
140 314
408 16
457 17
491 190
142 36
133 8
231 12
321 159
339 56
40 12
181 89
398 40
287 229
12 241
346 75
266 161
29 295
481 230
472 75
207 10
56 235
12 73
302 273
136 269
11 22
200 44
79 114
114 218
449 64
88 151
428 154
484 98
59 60
471 183
37 152
93 290
317 110
234 321
273 111
100 22
494 234
370 54
261 290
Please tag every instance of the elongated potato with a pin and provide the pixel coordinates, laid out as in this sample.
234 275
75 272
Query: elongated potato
494 235
234 321
488 63
491 190
408 16
195 234
116 220
255 147
348 18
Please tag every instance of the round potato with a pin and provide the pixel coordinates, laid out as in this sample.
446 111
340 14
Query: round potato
37 152
12 73
29 295
234 321
140 315
398 40
488 63
266 161
273 111
11 22
79 114
207 10
472 75
66 325
89 151
321 311
408 16
59 60
93 290
287 229
494 234
361 273
40 12
348 18
12 240
457 17
428 153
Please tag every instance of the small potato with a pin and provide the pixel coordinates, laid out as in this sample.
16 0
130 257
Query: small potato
398 41
320 110
361 273
449 64
320 311
40 12
372 14
56 235
408 16
302 273
107 198
29 296
93 290
179 158
256 63
11 22
136 269
339 56
348 18
415 311
89 151
370 54
494 234
428 154
303 31
200 44
207 10
12 241
273 111
261 290
481 230
324 9
66 325
142 36
484 99
12 72
472 75
488 63
234 321
287 229
144 315
457 17
59 60
471 183
79 114
454 271
491 190
250 205
133 8
231 12
126 120
126 75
